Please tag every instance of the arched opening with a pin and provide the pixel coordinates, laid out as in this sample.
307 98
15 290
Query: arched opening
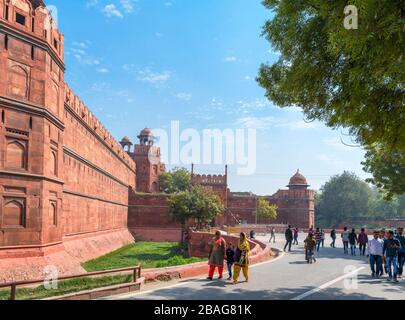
15 155
53 215
54 163
154 188
13 214
18 82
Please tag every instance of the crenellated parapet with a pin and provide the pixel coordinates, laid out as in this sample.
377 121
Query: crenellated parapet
82 112
203 179
33 19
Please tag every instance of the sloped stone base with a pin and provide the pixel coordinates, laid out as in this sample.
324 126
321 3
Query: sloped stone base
19 264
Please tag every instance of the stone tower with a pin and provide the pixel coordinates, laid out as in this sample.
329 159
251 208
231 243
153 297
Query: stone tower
296 205
148 163
31 125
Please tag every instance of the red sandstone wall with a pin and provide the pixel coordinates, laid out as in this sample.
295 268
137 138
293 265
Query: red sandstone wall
149 218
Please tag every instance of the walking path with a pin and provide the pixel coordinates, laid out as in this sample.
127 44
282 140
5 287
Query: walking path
334 276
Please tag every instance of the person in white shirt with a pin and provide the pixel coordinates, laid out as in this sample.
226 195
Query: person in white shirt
375 252
345 239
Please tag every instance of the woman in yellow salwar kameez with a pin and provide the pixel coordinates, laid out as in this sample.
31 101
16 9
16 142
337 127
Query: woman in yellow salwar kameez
242 258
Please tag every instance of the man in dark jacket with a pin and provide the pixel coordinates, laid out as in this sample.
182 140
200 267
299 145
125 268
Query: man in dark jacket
353 241
363 240
401 254
333 236
391 250
288 238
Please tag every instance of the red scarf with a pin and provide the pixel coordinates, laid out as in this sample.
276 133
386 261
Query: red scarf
217 243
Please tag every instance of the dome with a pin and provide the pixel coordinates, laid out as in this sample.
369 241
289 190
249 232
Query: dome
125 140
37 3
146 132
298 180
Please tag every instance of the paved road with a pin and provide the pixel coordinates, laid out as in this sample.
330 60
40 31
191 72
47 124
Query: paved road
287 278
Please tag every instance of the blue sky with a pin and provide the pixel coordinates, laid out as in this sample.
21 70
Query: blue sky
146 63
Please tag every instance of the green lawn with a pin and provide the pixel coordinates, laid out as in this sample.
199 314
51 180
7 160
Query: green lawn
146 254
66 287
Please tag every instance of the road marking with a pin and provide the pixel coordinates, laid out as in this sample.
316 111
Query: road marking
129 295
328 284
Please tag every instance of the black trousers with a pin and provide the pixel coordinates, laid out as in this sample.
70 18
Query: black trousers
288 244
362 248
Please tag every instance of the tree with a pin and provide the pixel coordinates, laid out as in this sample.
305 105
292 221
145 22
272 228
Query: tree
353 79
381 208
265 210
177 180
198 203
388 168
345 196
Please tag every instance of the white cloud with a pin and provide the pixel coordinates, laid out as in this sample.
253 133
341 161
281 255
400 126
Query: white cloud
268 122
128 5
231 59
183 96
79 52
91 3
103 70
110 10
147 75
256 122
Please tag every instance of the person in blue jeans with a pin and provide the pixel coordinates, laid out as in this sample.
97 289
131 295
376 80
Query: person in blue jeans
230 259
401 253
318 239
391 249
353 242
375 252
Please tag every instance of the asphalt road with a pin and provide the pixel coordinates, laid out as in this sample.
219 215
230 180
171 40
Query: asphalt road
289 277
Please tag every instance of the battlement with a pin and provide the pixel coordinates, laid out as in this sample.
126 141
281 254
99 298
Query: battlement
83 112
34 19
209 179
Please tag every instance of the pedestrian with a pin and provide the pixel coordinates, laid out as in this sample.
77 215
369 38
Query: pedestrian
310 245
333 236
391 249
363 240
230 258
375 252
383 237
295 236
353 242
241 259
288 238
217 255
318 239
401 254
345 239
252 234
323 238
273 235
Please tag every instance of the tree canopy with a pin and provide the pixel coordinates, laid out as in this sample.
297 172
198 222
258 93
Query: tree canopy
346 197
177 180
353 78
197 203
265 210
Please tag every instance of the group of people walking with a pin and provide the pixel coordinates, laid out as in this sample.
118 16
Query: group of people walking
237 258
387 254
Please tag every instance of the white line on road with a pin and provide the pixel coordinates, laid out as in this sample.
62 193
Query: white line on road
129 295
328 284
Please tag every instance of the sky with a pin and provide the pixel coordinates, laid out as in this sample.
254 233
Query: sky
146 63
